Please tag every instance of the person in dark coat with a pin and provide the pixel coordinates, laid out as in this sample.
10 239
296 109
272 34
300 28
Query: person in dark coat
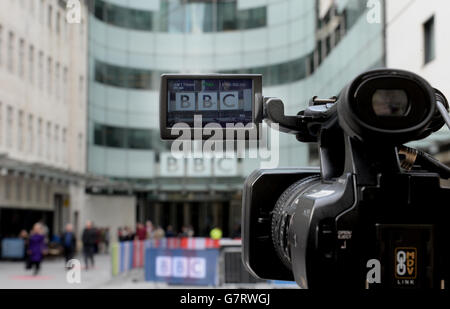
89 239
36 247
69 242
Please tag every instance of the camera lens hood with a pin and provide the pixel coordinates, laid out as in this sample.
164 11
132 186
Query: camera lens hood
359 117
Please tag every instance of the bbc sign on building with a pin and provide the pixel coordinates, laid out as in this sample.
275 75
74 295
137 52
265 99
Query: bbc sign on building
197 167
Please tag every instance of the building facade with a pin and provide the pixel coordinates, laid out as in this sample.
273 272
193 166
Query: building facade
417 41
302 48
43 74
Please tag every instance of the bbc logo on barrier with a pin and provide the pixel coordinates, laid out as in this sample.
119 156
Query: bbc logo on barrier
181 267
207 101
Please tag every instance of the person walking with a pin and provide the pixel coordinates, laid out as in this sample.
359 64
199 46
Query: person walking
36 248
89 239
69 242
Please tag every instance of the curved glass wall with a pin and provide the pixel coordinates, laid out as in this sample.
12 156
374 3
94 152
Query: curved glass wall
183 16
298 53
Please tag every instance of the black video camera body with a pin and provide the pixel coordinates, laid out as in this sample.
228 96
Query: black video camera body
375 214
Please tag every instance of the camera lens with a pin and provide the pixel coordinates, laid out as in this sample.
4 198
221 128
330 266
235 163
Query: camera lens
390 103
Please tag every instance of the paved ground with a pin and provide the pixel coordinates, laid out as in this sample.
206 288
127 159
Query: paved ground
53 275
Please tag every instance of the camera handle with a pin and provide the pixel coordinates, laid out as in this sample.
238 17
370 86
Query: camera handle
306 124
444 112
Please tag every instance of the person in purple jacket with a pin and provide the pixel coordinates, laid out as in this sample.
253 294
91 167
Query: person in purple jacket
36 247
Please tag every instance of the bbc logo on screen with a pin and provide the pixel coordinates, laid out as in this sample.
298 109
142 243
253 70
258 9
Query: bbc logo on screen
181 267
207 101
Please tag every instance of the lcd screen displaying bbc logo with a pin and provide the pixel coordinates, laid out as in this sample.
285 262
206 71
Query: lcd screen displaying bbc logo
207 101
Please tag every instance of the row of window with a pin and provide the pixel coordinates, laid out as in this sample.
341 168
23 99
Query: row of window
274 74
34 136
26 189
183 16
21 59
129 138
50 13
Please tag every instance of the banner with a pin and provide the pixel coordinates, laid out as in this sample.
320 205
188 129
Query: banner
179 266
128 255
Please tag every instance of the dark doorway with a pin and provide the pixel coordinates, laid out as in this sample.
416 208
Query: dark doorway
12 221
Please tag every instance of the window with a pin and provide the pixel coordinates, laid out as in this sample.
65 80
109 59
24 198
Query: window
20 131
180 16
1 123
131 138
18 189
57 22
1 45
80 150
81 90
11 52
29 185
138 139
21 58
57 80
41 70
40 138
9 127
64 145
42 12
49 140
49 17
31 64
56 145
7 188
429 41
65 81
38 191
47 193
49 75
30 134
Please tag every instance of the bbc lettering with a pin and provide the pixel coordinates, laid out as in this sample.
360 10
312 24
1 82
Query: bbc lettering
207 101
181 267
197 167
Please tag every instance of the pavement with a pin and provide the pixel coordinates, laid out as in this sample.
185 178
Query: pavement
53 275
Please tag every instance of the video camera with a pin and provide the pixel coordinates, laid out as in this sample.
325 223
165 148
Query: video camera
373 215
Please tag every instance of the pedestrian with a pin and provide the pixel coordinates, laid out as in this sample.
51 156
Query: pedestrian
45 230
89 239
69 242
36 248
170 232
25 237
159 233
141 232
107 240
216 233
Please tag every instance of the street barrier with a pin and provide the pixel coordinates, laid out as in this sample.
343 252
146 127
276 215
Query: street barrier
184 261
182 266
13 248
128 255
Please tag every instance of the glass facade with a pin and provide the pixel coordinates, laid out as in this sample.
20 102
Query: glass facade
129 138
298 53
183 16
